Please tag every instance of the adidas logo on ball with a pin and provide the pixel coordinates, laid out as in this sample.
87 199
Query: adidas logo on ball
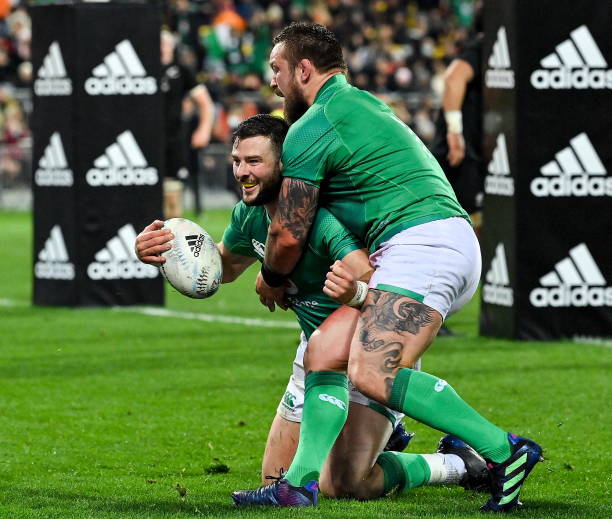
121 73
195 242
577 63
575 281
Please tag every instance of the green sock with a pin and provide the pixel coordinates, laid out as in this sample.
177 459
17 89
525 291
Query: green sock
325 411
434 402
403 471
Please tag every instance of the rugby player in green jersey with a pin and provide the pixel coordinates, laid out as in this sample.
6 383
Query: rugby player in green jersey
351 469
346 151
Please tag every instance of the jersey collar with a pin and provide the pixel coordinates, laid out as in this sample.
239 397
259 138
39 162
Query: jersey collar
330 86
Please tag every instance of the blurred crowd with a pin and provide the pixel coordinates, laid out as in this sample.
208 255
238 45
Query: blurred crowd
397 49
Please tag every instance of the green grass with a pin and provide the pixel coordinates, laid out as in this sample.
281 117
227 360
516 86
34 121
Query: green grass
103 412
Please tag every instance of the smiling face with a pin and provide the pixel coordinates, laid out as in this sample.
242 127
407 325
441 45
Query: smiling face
257 169
285 84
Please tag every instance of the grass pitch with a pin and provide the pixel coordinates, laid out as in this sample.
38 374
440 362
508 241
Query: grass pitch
104 412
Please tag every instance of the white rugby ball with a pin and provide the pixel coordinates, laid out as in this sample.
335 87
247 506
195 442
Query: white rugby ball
193 264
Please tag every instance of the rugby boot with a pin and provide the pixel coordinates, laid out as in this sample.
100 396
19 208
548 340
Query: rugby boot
476 477
279 493
508 476
399 439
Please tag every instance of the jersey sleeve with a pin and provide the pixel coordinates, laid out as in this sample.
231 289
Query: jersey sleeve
309 148
189 80
471 54
336 240
235 238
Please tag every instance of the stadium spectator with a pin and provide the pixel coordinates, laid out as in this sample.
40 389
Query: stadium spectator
177 83
384 185
458 140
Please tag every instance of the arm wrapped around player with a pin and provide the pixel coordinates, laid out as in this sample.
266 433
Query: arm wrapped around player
342 286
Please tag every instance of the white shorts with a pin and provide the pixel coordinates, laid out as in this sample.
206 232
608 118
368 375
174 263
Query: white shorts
292 403
437 263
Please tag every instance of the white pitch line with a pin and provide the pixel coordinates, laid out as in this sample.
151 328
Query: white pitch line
211 318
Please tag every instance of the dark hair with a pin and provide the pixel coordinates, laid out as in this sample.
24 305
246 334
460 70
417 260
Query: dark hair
265 125
314 42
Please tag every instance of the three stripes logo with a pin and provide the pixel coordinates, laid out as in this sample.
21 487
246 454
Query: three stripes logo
53 167
117 260
576 63
122 164
500 74
53 260
575 281
121 73
195 242
51 79
496 289
576 171
499 181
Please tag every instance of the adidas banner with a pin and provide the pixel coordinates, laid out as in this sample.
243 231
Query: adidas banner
97 140
548 184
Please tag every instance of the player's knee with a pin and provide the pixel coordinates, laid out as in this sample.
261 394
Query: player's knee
361 377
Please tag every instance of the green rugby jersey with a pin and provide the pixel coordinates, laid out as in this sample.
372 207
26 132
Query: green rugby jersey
374 173
328 241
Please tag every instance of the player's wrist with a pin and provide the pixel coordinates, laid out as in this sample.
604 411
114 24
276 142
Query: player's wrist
273 279
454 121
360 294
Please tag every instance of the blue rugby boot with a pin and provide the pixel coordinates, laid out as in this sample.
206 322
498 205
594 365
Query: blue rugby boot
508 477
279 493
476 477
399 439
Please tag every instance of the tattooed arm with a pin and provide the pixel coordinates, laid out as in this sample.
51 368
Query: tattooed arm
287 234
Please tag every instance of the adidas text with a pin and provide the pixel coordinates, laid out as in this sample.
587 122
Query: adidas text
495 185
54 270
565 78
121 86
53 87
499 78
565 296
122 177
120 270
496 295
53 177
577 185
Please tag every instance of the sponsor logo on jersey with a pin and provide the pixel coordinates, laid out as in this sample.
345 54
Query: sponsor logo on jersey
51 78
259 248
440 385
121 73
576 281
576 62
500 73
53 167
499 181
576 170
122 164
332 400
496 289
117 260
195 242
53 260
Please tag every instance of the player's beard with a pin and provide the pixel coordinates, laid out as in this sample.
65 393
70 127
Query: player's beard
268 190
295 104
